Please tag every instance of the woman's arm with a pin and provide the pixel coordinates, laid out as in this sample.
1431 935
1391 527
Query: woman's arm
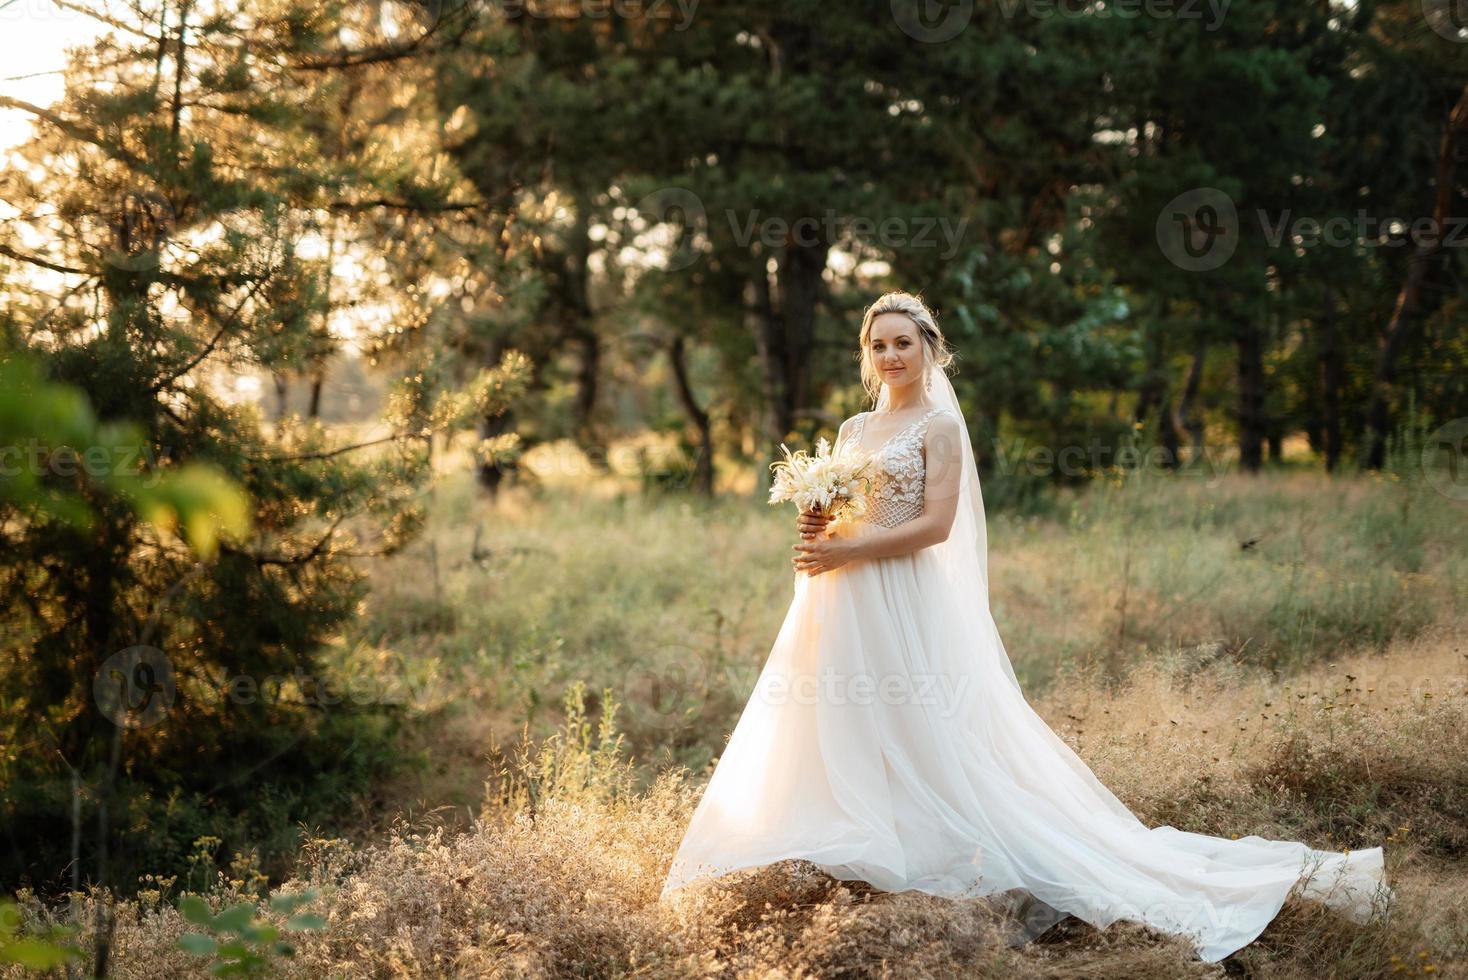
942 450
943 453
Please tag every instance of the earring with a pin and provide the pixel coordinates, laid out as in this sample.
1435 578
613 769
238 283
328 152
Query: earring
927 381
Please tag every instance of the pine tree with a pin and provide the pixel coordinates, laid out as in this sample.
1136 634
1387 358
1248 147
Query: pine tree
170 216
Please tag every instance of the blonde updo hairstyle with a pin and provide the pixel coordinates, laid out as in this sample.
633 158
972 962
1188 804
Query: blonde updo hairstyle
935 348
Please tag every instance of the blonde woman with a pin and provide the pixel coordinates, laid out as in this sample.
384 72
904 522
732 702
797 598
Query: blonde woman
887 739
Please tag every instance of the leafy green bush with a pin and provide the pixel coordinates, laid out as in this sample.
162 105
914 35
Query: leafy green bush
35 952
237 942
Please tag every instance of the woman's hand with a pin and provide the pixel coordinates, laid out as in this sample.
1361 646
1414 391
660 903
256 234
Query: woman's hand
811 524
822 554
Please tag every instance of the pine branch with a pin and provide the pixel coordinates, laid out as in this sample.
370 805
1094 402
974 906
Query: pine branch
120 25
381 54
356 206
40 262
232 320
327 453
301 559
75 131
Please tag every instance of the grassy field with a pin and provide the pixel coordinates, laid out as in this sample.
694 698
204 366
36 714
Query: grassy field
674 604
1300 638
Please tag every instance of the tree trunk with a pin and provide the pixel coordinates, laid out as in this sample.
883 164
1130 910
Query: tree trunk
768 345
1152 395
800 286
318 380
1169 438
490 473
1155 396
1185 423
318 376
1148 397
703 476
577 314
587 377
1330 384
1404 315
784 326
1250 341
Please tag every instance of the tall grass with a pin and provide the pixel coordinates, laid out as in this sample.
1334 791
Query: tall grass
573 661
559 874
673 603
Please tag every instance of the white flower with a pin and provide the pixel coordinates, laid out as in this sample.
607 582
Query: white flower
829 483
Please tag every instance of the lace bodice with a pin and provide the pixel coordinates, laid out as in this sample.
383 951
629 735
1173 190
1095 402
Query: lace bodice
896 494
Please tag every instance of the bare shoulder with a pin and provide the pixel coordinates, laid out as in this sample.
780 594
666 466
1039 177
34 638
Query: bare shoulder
943 440
944 425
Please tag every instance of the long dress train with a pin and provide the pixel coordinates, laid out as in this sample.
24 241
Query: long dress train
887 741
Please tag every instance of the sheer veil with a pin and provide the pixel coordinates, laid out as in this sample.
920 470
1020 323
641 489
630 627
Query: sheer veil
965 552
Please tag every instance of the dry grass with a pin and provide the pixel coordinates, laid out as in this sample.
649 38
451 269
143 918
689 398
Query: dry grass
1314 683
678 600
560 875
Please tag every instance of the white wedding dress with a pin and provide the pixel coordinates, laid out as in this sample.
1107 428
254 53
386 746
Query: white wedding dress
887 740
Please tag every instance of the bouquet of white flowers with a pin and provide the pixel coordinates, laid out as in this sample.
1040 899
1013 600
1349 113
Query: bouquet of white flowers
831 484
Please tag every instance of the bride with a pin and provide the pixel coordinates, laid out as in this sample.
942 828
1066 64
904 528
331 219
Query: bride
887 739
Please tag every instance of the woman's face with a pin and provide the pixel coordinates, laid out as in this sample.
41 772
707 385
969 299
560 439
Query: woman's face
896 349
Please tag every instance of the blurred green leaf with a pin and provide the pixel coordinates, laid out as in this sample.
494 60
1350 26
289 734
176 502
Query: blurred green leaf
235 918
306 920
35 953
193 909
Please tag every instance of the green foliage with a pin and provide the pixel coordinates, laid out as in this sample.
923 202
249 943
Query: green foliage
195 236
1410 436
422 402
239 944
498 186
1057 147
575 762
50 433
33 953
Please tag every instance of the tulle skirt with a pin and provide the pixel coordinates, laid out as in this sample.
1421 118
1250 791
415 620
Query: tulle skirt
886 741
